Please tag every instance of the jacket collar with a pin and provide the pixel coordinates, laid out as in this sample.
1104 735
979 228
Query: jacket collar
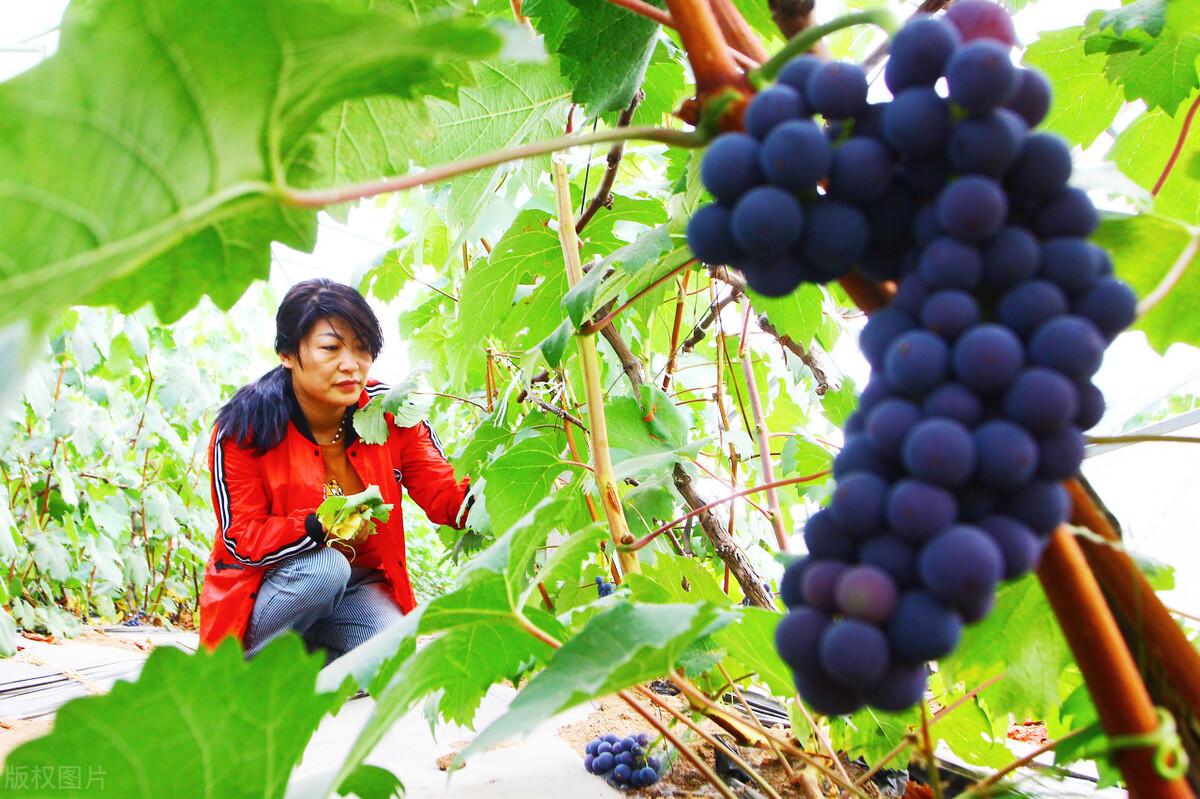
300 421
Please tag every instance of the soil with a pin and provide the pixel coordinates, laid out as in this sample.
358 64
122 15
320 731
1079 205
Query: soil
15 732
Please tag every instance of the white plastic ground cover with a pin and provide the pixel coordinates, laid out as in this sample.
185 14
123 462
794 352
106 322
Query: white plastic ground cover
539 765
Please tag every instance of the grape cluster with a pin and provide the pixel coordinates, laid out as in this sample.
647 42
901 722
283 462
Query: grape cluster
949 480
622 761
604 588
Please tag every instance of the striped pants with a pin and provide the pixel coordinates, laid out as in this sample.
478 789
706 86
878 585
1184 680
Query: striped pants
318 594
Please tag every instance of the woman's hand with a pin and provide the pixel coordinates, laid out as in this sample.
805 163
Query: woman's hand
352 530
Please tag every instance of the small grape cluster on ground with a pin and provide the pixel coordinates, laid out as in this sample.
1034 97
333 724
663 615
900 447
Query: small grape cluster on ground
949 480
622 761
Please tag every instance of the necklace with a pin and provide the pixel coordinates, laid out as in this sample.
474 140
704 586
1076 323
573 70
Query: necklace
341 428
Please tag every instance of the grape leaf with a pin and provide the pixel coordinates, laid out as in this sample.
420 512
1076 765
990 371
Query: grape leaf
1084 101
181 135
246 744
570 555
1144 249
1142 151
1163 76
750 643
519 478
622 646
372 782
797 316
603 50
625 270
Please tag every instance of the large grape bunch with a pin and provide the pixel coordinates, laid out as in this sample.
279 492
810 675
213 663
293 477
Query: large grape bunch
622 761
949 480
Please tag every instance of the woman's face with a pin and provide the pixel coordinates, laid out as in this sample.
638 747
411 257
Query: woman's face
333 364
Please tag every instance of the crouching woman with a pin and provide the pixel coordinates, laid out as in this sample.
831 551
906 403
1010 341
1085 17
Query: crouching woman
280 447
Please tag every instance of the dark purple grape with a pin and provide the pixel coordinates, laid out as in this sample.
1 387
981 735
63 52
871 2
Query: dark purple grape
710 237
981 76
949 264
972 208
890 554
926 176
861 172
648 775
1018 545
916 362
1110 305
766 222
837 90
1042 168
954 401
987 358
625 759
982 19
835 233
910 296
857 504
881 262
1030 304
1070 263
1041 504
1041 400
919 52
940 451
888 423
892 217
977 607
1031 98
1068 213
960 566
1010 257
825 538
824 695
901 687
1091 406
1059 454
796 155
917 122
881 329
922 628
870 122
917 510
820 580
859 455
622 773
854 653
796 71
866 593
730 166
791 584
974 503
1008 456
603 763
949 313
798 636
986 145
770 108
773 277
1069 344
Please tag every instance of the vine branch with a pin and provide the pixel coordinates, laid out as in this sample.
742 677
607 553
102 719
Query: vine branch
603 196
1179 142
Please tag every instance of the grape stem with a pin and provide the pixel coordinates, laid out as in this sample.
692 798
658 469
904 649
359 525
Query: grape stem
706 48
1170 279
764 449
320 198
641 542
1179 142
804 41
606 483
737 31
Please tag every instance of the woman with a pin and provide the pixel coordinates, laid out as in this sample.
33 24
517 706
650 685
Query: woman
282 445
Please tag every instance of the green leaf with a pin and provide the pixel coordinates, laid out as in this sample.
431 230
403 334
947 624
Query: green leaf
1085 103
797 316
750 643
1144 248
245 745
569 556
635 446
1163 76
8 634
519 478
1016 638
181 137
872 734
371 424
603 49
840 404
623 646
682 579
1147 16
632 267
1142 151
372 782
554 345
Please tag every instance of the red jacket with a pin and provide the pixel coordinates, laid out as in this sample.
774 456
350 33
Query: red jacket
264 503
